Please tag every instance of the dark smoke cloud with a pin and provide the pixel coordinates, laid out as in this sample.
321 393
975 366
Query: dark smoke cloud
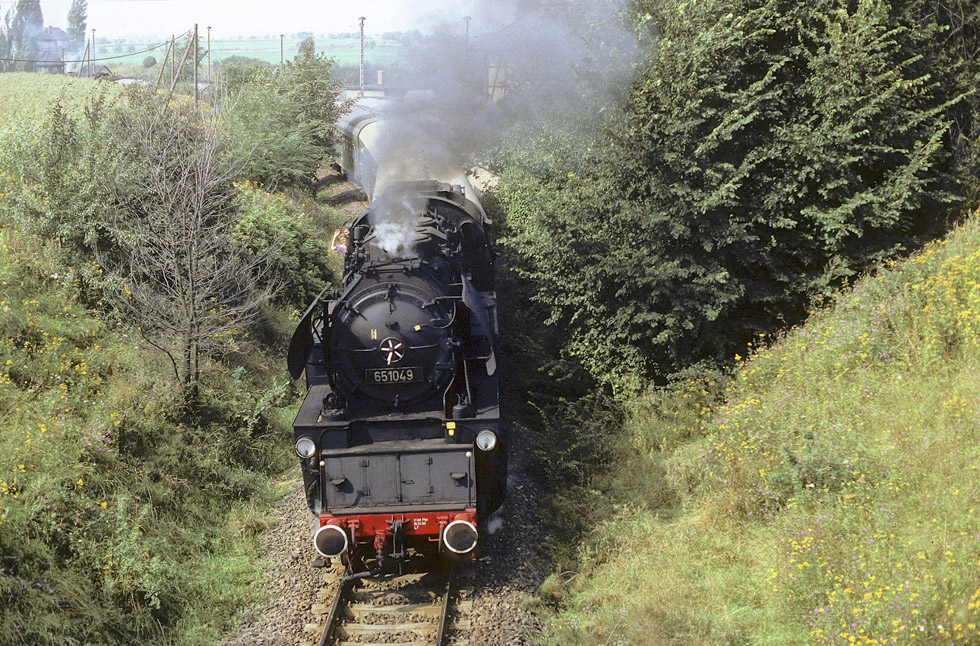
565 60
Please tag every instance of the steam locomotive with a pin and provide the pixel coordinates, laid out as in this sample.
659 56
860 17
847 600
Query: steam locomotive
399 435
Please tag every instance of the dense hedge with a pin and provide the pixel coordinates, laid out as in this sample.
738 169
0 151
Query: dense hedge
768 151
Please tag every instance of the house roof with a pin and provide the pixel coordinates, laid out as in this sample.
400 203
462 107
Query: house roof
54 33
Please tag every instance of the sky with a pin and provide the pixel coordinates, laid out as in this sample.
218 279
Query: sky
230 18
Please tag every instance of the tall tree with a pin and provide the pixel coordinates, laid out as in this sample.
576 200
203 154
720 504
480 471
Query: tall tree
5 42
310 84
77 21
25 33
173 271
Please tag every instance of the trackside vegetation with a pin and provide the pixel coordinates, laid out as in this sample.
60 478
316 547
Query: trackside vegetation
757 393
121 516
765 152
825 492
130 498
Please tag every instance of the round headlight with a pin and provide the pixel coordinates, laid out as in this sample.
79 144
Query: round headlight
305 447
486 440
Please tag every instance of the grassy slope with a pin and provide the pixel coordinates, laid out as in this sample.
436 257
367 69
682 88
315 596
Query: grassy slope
828 496
100 524
122 518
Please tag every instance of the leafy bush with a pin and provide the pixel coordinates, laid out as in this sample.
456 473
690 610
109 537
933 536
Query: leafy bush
768 152
283 122
126 516
302 253
277 151
52 171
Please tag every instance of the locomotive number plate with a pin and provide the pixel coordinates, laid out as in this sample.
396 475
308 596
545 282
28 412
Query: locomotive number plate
393 375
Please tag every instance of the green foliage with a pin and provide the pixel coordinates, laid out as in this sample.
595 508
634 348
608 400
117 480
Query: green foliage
574 426
309 84
149 62
5 41
826 491
126 516
52 173
282 122
119 512
77 20
769 151
24 97
277 150
23 32
238 70
301 255
952 56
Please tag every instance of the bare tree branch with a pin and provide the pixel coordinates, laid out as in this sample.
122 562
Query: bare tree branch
175 275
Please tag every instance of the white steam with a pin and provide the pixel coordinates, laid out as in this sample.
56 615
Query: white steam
397 239
393 219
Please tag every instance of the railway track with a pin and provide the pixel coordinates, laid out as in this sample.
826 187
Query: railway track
415 609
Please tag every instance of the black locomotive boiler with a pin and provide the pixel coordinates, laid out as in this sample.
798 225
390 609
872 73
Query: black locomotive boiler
399 436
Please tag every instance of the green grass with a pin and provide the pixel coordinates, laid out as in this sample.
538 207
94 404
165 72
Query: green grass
25 96
121 517
828 495
125 516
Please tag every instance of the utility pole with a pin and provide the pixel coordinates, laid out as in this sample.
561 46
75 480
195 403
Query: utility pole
163 66
92 55
362 19
467 19
173 61
209 57
282 56
195 65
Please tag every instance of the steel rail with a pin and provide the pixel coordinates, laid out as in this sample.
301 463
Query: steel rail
342 588
444 613
345 586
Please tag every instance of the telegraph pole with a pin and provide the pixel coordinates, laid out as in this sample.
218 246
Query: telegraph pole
209 57
195 65
362 19
92 55
467 20
282 56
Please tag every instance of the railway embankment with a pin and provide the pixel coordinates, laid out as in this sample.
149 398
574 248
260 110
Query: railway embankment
823 492
129 503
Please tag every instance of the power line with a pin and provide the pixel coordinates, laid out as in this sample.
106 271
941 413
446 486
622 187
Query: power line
94 60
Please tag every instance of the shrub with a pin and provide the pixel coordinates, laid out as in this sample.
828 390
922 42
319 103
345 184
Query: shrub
301 259
768 151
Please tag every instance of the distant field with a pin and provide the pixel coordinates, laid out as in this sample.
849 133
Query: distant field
23 96
345 51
